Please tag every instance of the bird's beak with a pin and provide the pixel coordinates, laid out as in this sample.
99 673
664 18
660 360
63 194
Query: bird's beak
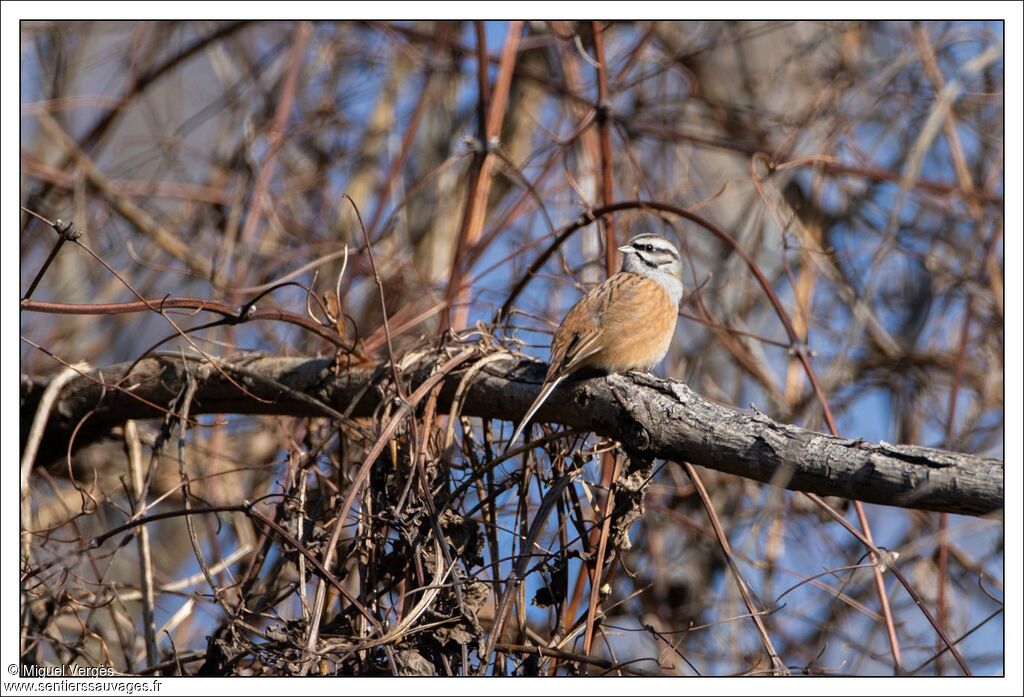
626 249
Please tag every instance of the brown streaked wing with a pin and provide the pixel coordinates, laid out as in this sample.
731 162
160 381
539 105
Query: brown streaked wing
578 337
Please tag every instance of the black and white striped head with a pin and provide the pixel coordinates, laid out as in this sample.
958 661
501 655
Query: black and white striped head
655 257
647 254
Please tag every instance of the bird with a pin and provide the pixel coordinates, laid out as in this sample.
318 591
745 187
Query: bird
624 324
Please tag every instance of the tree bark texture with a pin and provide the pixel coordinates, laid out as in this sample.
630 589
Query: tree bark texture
649 416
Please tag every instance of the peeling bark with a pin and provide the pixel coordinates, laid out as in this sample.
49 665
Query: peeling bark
650 416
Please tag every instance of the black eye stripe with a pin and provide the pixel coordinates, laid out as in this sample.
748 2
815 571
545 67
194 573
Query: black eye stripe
662 249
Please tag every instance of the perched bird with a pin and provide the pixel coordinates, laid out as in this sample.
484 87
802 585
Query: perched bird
624 324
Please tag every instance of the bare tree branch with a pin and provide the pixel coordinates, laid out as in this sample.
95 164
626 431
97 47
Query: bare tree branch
655 417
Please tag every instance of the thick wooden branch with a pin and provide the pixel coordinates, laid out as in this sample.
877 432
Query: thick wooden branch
661 418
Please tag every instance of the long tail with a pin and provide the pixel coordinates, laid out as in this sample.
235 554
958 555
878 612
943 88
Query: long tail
545 392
